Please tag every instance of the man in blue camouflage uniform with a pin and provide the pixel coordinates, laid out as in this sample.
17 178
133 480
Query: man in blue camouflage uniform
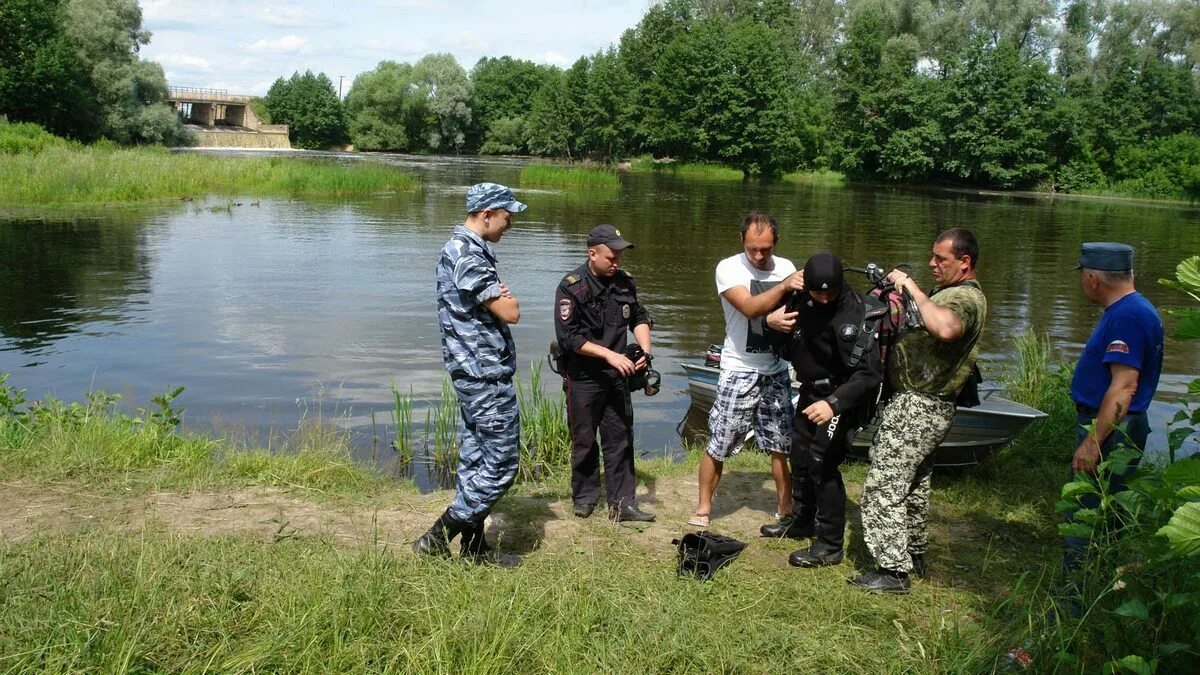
475 309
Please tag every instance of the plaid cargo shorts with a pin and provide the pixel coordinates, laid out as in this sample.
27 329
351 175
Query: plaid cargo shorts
749 400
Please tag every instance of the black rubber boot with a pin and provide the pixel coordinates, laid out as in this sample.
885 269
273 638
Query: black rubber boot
475 549
436 542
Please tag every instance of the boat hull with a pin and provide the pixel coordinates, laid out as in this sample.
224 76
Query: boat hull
977 434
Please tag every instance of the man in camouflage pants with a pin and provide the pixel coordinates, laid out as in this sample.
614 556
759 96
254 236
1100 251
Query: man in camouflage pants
475 309
927 369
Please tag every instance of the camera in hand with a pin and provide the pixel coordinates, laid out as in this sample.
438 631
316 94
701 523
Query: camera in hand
646 379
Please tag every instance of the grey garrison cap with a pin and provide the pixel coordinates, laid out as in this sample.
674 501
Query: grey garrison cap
483 196
1105 256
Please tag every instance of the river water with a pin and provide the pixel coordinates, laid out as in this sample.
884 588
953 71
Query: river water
283 311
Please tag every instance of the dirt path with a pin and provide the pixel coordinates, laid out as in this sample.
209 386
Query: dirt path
524 523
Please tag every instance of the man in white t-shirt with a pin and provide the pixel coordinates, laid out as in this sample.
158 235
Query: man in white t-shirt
754 390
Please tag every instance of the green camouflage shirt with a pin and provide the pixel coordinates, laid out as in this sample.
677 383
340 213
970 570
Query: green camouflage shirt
923 364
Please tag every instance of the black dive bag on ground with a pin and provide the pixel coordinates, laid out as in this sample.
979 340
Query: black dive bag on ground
702 553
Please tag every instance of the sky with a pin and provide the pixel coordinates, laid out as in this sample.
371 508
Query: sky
244 46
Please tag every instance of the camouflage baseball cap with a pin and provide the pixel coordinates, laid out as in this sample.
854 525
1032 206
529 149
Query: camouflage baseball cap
483 196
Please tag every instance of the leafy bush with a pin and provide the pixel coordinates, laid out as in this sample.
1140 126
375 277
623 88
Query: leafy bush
28 138
1080 174
1167 167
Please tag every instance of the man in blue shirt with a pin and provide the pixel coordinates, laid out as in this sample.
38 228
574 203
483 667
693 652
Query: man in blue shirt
474 310
1117 372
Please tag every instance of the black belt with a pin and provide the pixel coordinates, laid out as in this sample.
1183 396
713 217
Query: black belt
1092 412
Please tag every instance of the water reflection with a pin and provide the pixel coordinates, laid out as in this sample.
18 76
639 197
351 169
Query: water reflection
298 309
66 277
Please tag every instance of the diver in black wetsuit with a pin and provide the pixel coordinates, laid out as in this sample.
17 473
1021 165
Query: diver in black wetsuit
833 349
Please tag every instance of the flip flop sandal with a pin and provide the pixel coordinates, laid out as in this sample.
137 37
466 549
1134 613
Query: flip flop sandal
699 520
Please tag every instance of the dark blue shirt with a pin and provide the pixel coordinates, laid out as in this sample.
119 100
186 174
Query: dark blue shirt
475 344
1129 333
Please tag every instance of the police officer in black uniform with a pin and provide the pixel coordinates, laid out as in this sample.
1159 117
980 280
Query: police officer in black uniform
835 354
595 307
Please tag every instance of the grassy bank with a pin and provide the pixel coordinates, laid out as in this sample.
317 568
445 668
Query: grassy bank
821 178
41 170
127 546
686 170
548 175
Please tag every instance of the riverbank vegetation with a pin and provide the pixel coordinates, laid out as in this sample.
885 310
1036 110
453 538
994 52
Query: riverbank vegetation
138 546
39 169
547 175
194 552
685 169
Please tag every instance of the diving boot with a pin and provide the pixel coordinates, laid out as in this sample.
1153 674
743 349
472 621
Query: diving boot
436 542
790 527
630 513
475 549
812 557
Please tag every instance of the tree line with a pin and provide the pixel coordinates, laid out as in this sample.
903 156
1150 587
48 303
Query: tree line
1063 95
1081 95
72 66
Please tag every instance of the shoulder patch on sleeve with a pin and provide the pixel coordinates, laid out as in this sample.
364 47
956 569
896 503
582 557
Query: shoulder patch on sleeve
565 308
1117 346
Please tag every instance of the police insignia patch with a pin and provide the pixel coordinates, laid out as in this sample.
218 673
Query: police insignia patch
1118 346
848 331
564 309
624 311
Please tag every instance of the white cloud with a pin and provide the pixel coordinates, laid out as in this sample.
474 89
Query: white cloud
410 5
391 49
185 62
291 17
175 12
288 44
555 59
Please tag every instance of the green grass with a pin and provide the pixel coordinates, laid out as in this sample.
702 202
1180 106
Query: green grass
686 170
40 170
154 600
548 175
100 594
819 178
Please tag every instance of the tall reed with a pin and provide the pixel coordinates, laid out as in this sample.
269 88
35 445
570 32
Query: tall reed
1037 380
444 426
402 423
545 436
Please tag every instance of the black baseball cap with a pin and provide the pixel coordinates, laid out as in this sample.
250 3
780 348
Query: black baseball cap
609 236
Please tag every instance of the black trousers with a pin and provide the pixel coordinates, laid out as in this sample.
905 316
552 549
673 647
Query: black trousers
818 492
604 405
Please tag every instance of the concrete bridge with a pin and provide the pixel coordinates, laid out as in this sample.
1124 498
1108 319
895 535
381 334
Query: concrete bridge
216 118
